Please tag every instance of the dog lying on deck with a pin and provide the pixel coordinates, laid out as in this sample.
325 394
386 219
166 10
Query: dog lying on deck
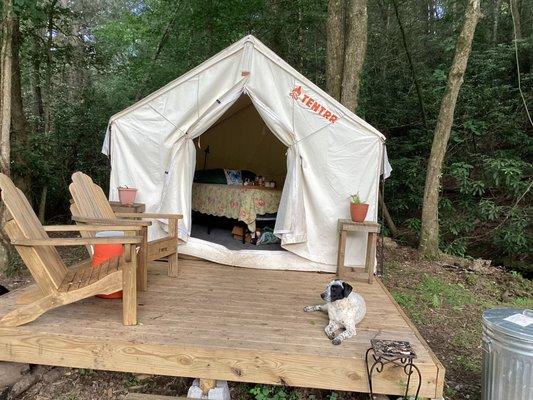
345 309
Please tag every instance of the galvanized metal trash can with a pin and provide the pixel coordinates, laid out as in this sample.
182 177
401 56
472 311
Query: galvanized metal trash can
507 354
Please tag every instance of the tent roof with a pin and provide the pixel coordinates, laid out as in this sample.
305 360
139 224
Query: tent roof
239 46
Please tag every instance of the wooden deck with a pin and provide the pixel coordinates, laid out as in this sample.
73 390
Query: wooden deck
221 322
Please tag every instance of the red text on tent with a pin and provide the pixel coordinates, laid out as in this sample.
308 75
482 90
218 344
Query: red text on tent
298 94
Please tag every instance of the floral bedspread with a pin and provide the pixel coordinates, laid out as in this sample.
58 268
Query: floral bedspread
234 201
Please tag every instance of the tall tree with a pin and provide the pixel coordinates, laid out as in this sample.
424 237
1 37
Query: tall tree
355 50
419 92
38 108
429 235
335 48
20 127
5 107
495 20
516 18
345 49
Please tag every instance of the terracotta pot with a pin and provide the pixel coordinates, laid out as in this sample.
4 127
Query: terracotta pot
358 211
127 196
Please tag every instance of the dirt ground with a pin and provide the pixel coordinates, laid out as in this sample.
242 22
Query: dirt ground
444 301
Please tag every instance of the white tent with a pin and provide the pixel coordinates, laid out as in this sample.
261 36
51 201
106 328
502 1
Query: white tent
330 154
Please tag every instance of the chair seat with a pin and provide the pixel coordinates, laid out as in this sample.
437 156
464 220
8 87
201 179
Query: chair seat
84 274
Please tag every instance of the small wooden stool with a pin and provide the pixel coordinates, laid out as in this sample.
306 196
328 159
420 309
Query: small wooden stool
372 230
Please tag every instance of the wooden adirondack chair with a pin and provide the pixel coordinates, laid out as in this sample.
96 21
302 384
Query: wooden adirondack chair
91 206
57 285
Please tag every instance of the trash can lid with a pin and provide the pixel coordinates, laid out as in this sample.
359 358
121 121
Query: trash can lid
516 322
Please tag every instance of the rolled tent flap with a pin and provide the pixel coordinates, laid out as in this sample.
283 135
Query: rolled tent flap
177 188
180 172
290 223
386 168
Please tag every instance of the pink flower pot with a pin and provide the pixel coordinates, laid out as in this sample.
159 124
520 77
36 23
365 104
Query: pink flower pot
358 212
127 196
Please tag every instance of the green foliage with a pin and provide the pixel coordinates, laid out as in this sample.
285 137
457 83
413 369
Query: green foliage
435 292
355 199
267 392
485 195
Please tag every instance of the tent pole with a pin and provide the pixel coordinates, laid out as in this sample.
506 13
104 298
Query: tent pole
381 264
109 146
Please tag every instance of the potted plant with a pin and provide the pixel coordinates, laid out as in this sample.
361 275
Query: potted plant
126 195
358 209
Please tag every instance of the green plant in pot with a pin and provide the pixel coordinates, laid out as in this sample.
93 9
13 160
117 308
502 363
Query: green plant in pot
358 209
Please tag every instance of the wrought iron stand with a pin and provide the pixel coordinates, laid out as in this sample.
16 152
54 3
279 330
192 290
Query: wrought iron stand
397 352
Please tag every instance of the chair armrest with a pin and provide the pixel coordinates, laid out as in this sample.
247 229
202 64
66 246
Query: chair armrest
76 241
148 215
90 228
110 222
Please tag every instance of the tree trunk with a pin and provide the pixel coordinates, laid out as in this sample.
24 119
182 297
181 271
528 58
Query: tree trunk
48 70
5 114
335 48
354 57
429 235
386 216
20 130
38 109
42 204
495 20
157 52
419 93
516 19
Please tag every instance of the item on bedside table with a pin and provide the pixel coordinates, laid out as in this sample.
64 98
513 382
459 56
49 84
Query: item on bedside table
233 176
126 195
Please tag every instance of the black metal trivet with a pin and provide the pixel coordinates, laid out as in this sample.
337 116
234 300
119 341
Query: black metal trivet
399 353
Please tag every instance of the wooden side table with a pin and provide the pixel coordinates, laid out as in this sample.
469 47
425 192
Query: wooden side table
133 208
372 229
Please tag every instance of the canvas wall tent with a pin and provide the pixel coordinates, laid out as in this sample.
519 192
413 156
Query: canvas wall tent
330 153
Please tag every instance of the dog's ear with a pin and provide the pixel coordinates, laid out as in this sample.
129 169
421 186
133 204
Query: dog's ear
346 289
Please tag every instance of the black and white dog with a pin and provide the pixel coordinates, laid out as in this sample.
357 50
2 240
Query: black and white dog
345 309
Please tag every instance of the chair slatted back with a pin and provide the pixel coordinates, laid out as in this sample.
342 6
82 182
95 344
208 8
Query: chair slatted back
86 234
89 198
44 262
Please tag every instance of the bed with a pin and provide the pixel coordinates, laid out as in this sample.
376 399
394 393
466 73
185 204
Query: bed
243 203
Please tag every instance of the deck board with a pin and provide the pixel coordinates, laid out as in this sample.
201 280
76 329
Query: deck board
221 322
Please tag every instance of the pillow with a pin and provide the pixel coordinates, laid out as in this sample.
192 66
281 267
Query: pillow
248 175
215 176
104 252
233 176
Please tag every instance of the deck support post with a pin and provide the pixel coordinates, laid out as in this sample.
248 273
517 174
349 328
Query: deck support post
209 389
